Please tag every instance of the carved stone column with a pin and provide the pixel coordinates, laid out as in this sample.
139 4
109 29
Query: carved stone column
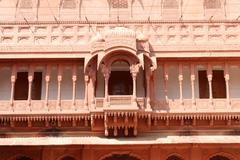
134 69
59 79
92 76
165 75
47 80
148 77
227 78
13 80
106 73
209 77
180 79
74 79
86 79
193 77
30 80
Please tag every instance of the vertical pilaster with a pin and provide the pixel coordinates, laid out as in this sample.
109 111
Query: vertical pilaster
195 152
74 79
47 80
227 78
193 77
13 80
209 77
59 78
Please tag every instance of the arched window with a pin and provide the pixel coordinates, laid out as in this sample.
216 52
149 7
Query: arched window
219 158
212 4
174 158
67 158
23 158
170 4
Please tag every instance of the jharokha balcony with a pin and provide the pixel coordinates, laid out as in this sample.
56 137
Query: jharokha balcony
174 87
120 94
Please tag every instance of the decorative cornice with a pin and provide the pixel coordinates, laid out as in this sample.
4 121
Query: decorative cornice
118 23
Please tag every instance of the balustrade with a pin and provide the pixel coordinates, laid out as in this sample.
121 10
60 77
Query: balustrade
47 104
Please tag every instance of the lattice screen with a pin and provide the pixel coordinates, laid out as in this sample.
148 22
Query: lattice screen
212 4
26 4
170 4
119 3
69 4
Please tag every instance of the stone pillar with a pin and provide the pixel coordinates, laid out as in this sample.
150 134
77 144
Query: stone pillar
134 69
165 75
193 77
227 78
148 76
13 80
180 79
74 79
86 79
30 80
210 76
106 73
47 80
92 76
59 78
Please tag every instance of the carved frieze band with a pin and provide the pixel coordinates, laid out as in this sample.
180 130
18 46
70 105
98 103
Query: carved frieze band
159 34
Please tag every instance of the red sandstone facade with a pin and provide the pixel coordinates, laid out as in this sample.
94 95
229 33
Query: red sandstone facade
119 79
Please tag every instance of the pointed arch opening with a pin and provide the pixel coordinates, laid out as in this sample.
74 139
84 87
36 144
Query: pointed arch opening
120 157
219 157
23 158
67 158
174 157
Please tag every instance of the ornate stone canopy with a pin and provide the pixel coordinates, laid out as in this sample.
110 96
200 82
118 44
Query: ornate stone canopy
121 39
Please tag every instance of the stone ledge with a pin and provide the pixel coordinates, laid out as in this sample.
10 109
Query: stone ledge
92 140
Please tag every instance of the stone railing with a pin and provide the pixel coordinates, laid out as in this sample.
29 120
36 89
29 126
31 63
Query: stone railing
40 106
121 102
200 105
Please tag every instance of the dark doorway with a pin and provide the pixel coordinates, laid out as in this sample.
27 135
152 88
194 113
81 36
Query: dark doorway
120 157
120 83
37 86
218 84
21 86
